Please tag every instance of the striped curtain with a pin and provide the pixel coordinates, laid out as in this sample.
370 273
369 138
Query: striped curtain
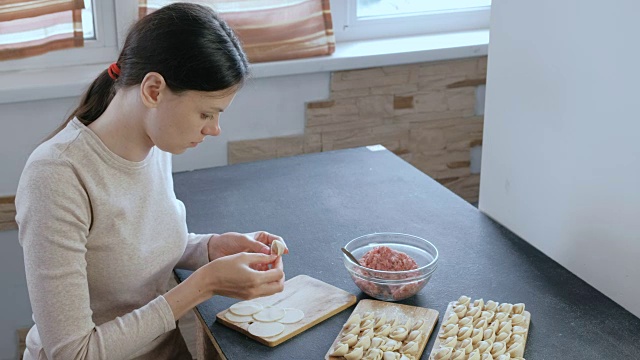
29 28
272 30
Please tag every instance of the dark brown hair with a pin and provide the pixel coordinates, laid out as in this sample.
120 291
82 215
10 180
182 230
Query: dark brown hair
188 44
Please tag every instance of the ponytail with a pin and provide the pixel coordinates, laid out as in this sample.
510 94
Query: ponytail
93 102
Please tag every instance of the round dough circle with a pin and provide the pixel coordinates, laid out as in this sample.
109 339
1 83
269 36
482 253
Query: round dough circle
292 316
246 308
269 314
265 329
237 318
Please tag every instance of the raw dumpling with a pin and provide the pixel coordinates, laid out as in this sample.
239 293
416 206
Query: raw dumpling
451 342
364 342
449 330
514 349
420 324
519 330
410 348
466 321
474 355
489 335
501 316
476 336
505 326
465 332
443 354
340 349
518 308
479 303
368 315
277 247
354 319
460 310
458 355
373 354
390 355
390 345
498 348
355 354
367 324
483 346
380 320
480 324
414 335
488 315
384 330
463 300
474 312
518 319
352 329
505 307
503 337
369 333
504 357
400 333
490 306
376 342
349 339
453 319
466 345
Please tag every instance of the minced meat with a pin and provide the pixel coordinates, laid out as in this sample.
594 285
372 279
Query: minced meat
387 259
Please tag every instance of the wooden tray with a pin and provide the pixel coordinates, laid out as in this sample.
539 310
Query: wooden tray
318 300
393 310
449 311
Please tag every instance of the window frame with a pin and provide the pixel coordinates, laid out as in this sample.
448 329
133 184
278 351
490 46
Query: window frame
347 27
111 20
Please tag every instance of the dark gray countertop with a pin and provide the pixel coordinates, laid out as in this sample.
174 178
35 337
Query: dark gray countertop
318 202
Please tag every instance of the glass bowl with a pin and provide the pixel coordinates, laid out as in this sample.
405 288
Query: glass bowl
392 285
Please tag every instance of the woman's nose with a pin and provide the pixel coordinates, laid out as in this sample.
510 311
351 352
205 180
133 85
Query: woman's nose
211 130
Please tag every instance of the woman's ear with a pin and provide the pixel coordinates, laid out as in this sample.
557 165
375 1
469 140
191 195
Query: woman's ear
151 89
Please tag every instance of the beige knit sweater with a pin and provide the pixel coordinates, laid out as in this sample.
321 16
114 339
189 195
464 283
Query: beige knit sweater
101 236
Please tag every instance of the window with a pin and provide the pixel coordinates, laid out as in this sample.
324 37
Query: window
102 22
371 19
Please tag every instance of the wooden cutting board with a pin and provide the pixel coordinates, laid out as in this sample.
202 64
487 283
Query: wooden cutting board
393 311
520 353
317 299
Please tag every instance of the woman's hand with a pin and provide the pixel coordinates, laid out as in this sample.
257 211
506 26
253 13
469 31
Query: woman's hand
234 243
236 275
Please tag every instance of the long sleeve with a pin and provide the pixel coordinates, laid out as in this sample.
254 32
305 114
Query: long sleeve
196 253
54 213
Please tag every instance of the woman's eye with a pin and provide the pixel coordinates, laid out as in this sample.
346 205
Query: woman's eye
206 117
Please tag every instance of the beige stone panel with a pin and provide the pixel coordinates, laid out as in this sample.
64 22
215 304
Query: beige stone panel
419 117
401 69
402 102
339 107
446 134
438 82
312 143
375 105
392 137
467 67
482 66
346 94
357 123
361 74
468 83
462 98
251 150
443 163
8 213
404 89
386 80
320 120
431 101
290 145
467 187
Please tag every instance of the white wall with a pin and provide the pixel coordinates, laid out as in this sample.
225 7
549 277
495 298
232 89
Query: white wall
561 160
265 107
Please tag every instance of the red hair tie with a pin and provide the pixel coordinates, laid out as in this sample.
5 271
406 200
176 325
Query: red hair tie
114 71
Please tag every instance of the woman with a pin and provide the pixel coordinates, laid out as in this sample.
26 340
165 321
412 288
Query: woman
98 219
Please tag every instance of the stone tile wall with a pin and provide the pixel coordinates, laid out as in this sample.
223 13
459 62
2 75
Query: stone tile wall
424 113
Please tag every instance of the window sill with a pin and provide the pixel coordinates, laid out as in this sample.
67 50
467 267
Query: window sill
55 83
